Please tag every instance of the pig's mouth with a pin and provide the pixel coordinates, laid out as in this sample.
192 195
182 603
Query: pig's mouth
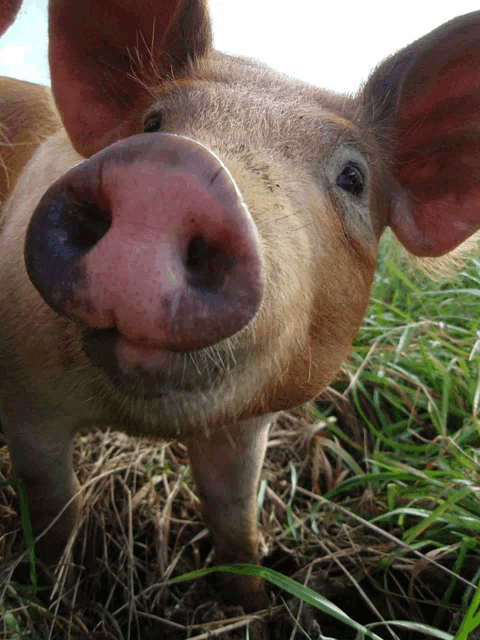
149 372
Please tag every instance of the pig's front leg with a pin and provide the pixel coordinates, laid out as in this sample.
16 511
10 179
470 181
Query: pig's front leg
226 467
41 452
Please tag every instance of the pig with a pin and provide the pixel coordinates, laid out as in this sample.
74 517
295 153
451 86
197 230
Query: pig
27 118
193 250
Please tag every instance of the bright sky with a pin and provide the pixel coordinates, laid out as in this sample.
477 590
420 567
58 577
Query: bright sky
330 44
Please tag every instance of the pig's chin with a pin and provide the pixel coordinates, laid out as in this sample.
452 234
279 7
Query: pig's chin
147 371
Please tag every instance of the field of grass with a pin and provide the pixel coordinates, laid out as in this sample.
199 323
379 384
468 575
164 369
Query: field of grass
369 503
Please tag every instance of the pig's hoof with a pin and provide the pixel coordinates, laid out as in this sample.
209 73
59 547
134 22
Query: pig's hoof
245 591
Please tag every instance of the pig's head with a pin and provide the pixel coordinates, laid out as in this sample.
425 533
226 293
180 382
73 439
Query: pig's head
217 246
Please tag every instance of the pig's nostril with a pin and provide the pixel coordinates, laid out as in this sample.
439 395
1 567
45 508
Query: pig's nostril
64 227
88 225
207 264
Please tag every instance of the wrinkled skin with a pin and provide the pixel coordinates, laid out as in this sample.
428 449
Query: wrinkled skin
193 250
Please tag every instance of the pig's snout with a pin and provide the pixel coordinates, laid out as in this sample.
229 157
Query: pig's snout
151 237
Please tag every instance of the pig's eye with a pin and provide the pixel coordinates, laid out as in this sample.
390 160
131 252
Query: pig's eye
152 124
351 179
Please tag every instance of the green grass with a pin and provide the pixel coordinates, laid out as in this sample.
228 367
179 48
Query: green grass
414 382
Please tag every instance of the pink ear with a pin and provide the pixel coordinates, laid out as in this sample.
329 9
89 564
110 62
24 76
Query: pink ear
8 13
104 54
429 94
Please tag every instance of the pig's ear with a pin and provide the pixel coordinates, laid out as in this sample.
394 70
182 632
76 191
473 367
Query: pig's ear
104 55
8 13
425 100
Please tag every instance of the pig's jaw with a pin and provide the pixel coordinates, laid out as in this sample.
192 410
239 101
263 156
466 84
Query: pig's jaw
149 372
188 393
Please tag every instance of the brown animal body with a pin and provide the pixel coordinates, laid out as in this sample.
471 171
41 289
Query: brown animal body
27 118
194 250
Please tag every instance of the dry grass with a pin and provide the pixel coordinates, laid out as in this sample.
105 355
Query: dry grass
140 526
